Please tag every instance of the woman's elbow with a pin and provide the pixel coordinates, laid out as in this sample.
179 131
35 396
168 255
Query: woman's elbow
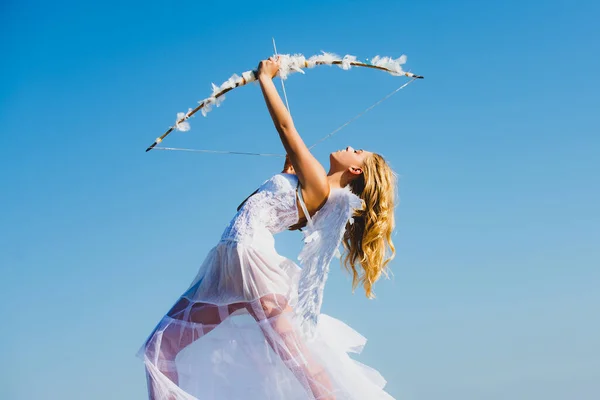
286 127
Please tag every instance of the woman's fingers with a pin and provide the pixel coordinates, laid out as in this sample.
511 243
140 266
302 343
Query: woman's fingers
269 66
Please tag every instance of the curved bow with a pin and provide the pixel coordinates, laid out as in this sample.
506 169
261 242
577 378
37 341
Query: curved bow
288 64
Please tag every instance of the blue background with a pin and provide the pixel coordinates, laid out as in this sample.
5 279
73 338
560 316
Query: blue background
495 287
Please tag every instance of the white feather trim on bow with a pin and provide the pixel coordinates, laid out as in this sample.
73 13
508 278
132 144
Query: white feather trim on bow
288 65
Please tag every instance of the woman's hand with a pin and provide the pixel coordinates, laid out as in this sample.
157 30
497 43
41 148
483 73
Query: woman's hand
268 68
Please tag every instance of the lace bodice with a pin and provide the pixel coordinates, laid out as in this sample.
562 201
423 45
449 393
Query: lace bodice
270 210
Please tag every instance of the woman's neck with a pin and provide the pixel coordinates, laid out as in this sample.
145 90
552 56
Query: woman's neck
338 179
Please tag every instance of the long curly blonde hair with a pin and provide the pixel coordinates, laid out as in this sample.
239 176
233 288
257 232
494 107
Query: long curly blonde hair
368 240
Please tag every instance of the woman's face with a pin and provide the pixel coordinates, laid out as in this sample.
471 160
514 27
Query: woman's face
349 159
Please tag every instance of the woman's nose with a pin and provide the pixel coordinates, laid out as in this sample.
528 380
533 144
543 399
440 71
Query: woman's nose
349 148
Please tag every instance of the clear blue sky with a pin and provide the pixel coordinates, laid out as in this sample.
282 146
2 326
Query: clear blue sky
495 289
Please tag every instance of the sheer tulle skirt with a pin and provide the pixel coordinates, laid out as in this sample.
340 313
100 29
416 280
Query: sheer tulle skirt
234 335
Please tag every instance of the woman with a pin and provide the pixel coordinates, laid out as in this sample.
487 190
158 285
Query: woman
250 293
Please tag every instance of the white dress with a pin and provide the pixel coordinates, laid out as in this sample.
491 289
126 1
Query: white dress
237 331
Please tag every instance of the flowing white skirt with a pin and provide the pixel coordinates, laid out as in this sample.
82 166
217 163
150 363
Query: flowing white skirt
233 335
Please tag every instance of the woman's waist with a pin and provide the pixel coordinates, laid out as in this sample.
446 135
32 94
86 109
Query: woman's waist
252 235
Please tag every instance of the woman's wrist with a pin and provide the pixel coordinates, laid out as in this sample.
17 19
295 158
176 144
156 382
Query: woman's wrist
262 77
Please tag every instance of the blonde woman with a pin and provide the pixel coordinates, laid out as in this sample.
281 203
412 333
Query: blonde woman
248 326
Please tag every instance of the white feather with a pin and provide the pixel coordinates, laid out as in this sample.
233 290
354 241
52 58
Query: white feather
208 105
325 58
183 126
393 65
346 61
231 82
249 76
329 58
290 63
215 89
322 239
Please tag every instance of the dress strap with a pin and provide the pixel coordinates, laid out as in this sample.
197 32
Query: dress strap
301 201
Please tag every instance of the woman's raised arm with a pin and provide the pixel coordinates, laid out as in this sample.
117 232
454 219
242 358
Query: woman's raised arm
310 172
